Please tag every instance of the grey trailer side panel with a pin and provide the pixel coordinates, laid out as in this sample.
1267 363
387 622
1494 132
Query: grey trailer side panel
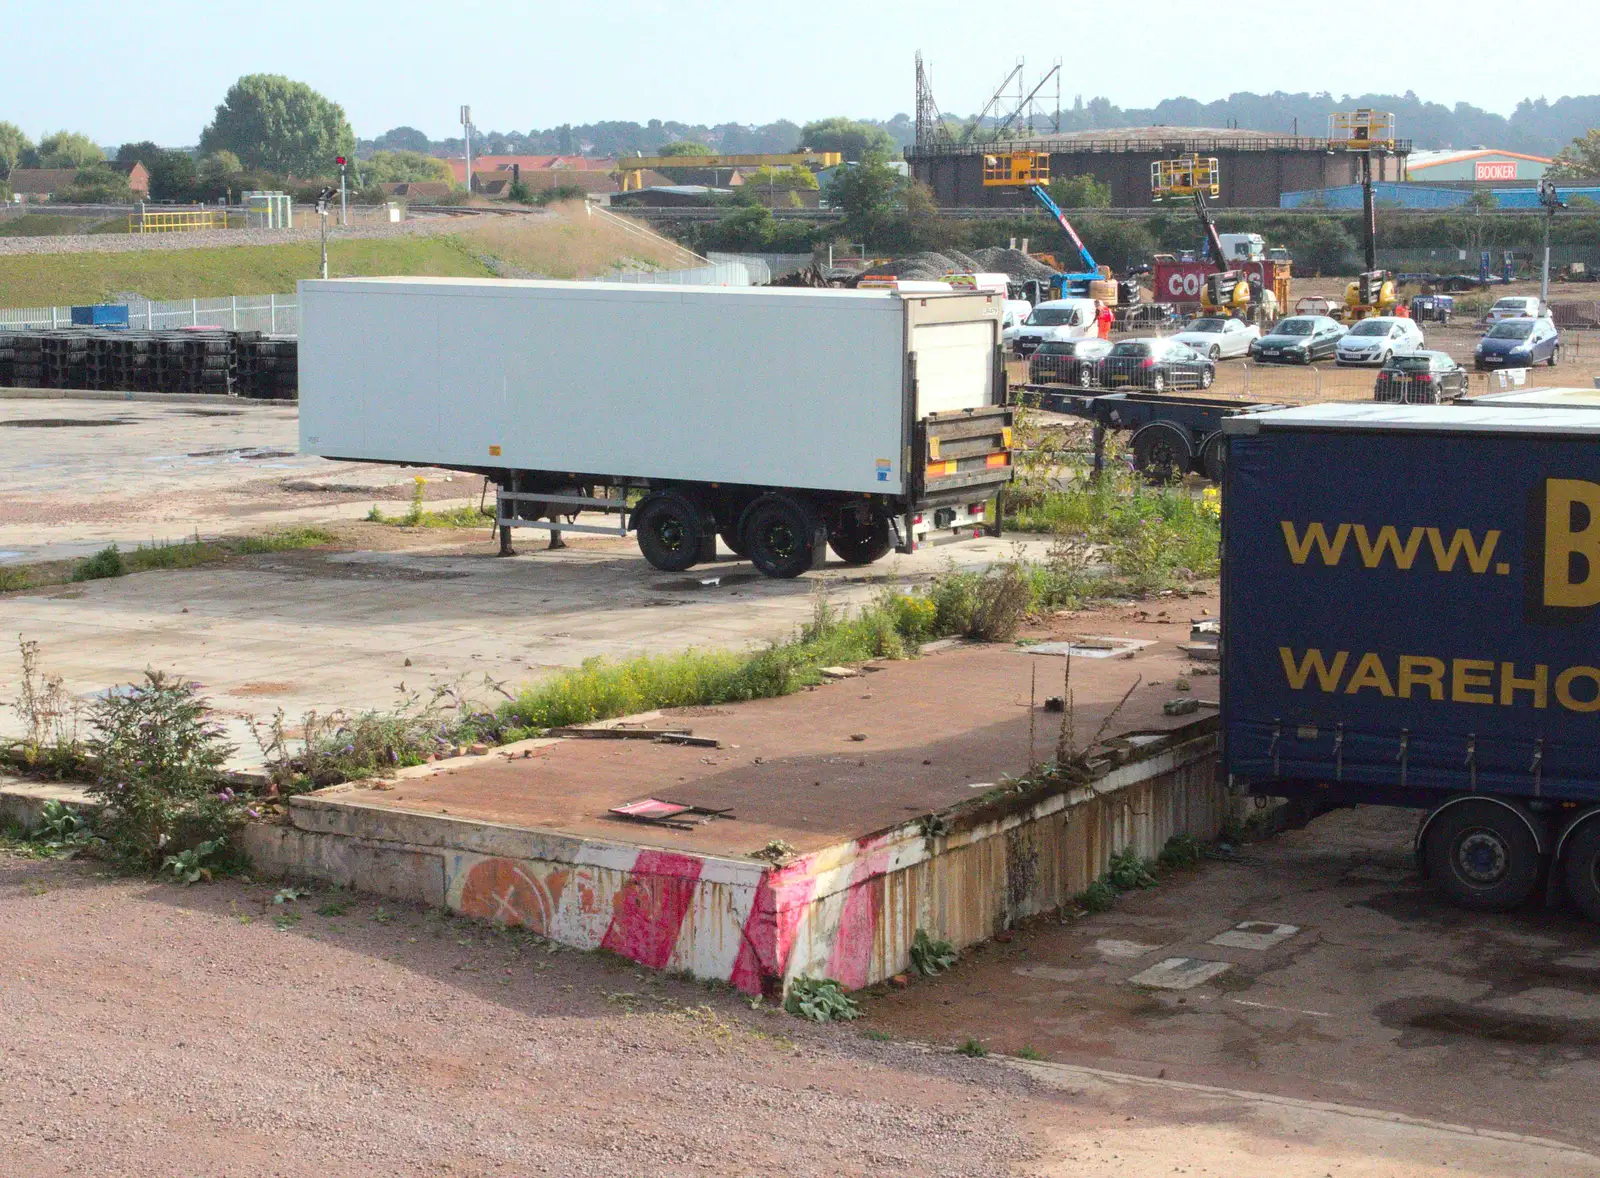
787 388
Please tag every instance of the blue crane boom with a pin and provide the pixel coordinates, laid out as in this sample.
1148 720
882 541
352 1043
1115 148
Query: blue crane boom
1050 206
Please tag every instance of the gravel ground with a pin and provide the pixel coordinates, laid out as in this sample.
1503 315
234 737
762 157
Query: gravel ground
117 243
147 1029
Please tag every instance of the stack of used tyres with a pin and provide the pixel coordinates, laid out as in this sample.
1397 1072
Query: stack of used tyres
239 363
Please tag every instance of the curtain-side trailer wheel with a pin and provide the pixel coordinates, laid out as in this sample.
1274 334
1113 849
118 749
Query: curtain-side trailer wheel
1580 867
1482 856
671 531
855 542
782 535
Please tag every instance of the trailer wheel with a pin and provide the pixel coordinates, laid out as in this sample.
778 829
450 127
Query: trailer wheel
855 542
1580 867
783 535
1162 452
1213 458
671 531
1483 856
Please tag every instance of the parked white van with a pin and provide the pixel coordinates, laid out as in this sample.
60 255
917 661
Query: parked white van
1057 319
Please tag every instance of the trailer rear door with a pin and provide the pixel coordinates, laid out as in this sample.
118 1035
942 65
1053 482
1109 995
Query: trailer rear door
955 365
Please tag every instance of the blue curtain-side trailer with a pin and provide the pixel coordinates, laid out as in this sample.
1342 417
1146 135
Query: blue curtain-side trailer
1411 617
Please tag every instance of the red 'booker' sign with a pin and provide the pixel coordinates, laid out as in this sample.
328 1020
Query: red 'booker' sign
1494 170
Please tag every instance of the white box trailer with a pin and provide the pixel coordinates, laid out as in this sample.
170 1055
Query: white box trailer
782 420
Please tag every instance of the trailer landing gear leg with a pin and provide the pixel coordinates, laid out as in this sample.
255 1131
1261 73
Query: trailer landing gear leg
505 541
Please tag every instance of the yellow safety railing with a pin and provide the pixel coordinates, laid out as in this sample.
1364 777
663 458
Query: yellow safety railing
1185 177
177 222
1361 130
1016 168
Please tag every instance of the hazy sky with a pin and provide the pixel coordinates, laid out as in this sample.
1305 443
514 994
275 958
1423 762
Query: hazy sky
157 69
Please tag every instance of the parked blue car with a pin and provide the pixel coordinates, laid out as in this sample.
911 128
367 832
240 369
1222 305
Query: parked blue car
1518 343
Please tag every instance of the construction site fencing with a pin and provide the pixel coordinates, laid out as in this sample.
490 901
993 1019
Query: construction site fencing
269 314
713 273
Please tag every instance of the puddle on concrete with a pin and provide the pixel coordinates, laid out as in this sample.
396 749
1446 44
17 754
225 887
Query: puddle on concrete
707 581
1433 1017
213 412
248 453
64 422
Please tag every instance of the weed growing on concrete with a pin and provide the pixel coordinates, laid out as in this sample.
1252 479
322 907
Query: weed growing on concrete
1181 850
1097 897
1145 538
930 956
1128 871
51 716
105 563
973 1048
284 541
11 580
418 516
821 1000
159 755
344 746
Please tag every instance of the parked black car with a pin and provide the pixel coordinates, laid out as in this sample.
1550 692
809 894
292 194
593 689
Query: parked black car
1299 339
1067 361
1156 365
1421 378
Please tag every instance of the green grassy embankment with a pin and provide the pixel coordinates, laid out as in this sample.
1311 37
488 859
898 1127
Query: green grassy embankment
45 280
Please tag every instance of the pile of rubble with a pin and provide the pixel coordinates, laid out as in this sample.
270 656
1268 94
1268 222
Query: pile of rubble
936 264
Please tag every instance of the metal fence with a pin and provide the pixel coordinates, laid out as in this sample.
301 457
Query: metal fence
722 270
273 314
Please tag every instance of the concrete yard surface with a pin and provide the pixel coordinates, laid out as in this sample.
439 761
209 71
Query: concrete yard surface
321 629
1348 981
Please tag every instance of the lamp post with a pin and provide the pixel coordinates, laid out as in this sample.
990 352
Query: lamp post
324 198
344 210
466 132
1551 200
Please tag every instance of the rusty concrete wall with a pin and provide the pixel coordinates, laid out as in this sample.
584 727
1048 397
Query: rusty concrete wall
966 886
848 911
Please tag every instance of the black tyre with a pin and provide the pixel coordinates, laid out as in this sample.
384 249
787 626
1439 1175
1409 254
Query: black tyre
782 534
855 542
1213 460
671 532
1158 381
1162 452
1580 868
733 541
1085 376
1215 353
1207 375
1555 357
1482 856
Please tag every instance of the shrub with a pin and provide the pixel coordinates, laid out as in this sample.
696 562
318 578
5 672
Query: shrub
1004 596
105 563
160 757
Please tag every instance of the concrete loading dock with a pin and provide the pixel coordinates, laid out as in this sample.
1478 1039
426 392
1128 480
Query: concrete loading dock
911 827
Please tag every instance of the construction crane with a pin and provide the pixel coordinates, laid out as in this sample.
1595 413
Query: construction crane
1227 290
1371 133
1031 170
